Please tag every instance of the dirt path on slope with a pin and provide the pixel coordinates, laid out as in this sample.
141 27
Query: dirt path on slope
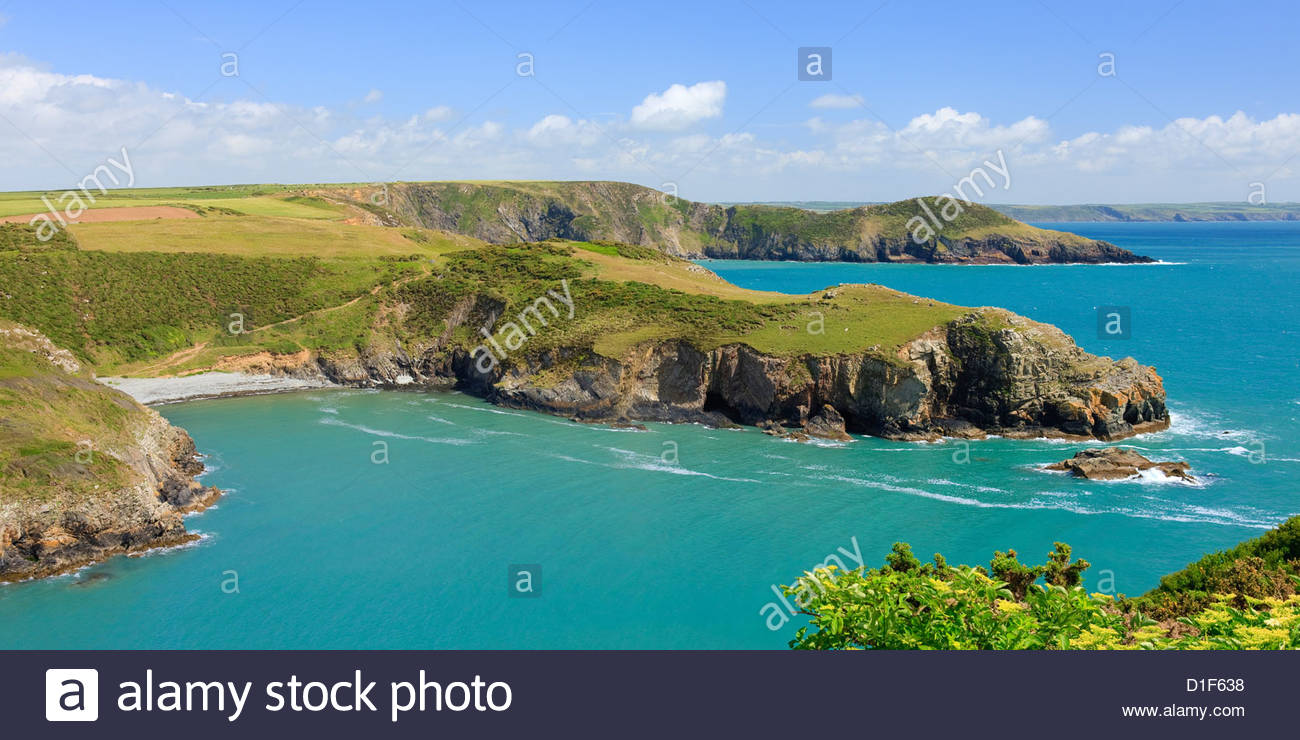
180 357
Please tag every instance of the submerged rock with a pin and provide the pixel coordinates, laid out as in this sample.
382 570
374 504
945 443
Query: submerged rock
1114 463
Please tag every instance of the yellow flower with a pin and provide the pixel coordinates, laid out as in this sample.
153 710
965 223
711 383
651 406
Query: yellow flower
1096 638
1214 615
1149 632
1257 637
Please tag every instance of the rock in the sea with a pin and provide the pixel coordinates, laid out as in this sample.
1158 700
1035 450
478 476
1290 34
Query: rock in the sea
827 424
1113 463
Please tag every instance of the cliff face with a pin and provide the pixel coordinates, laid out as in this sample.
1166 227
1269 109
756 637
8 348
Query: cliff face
623 212
988 372
960 380
90 473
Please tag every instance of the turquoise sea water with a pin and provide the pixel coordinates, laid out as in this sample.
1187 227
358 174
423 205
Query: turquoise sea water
637 551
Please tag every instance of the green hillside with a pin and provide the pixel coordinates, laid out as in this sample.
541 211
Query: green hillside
929 229
152 312
54 418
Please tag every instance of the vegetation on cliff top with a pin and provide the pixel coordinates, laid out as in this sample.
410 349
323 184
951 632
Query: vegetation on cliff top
57 425
1011 606
508 211
126 295
502 212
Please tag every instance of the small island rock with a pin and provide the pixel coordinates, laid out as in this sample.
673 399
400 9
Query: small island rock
1114 463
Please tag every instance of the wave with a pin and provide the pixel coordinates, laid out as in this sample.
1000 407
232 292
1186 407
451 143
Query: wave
826 443
458 441
485 409
203 538
1202 424
653 463
569 458
1064 501
972 486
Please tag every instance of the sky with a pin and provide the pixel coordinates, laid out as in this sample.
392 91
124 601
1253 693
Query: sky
1098 102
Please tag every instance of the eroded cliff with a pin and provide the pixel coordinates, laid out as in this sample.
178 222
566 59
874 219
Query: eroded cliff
987 372
87 472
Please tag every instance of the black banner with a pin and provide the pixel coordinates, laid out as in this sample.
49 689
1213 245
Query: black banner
645 694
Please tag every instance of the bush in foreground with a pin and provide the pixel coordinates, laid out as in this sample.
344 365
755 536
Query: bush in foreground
906 605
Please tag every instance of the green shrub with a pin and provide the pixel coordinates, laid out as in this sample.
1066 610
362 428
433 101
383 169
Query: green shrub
908 606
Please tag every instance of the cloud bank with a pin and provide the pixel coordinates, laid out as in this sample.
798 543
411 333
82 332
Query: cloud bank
54 128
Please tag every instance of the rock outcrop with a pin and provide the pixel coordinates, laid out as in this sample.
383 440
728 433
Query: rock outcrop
827 424
122 489
988 372
47 538
1115 463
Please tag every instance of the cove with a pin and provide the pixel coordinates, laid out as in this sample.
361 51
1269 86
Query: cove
638 551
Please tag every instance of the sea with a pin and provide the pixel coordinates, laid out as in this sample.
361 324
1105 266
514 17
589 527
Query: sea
392 519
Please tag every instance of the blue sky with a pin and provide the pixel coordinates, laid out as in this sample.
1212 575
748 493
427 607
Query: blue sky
701 95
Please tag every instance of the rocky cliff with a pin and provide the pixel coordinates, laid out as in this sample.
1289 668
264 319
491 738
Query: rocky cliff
906 231
87 473
987 372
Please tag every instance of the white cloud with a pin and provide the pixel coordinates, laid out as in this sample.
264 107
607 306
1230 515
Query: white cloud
834 101
70 123
679 106
549 126
374 96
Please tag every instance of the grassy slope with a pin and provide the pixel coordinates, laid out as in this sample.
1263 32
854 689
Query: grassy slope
46 417
126 295
623 300
634 207
606 208
1265 567
119 309
257 235
264 200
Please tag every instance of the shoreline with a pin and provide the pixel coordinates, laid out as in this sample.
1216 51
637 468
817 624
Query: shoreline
216 384
212 384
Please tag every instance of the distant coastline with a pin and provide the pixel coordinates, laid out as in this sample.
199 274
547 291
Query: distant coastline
1100 212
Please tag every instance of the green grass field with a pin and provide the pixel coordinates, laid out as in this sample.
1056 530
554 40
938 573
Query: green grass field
157 296
275 236
254 200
